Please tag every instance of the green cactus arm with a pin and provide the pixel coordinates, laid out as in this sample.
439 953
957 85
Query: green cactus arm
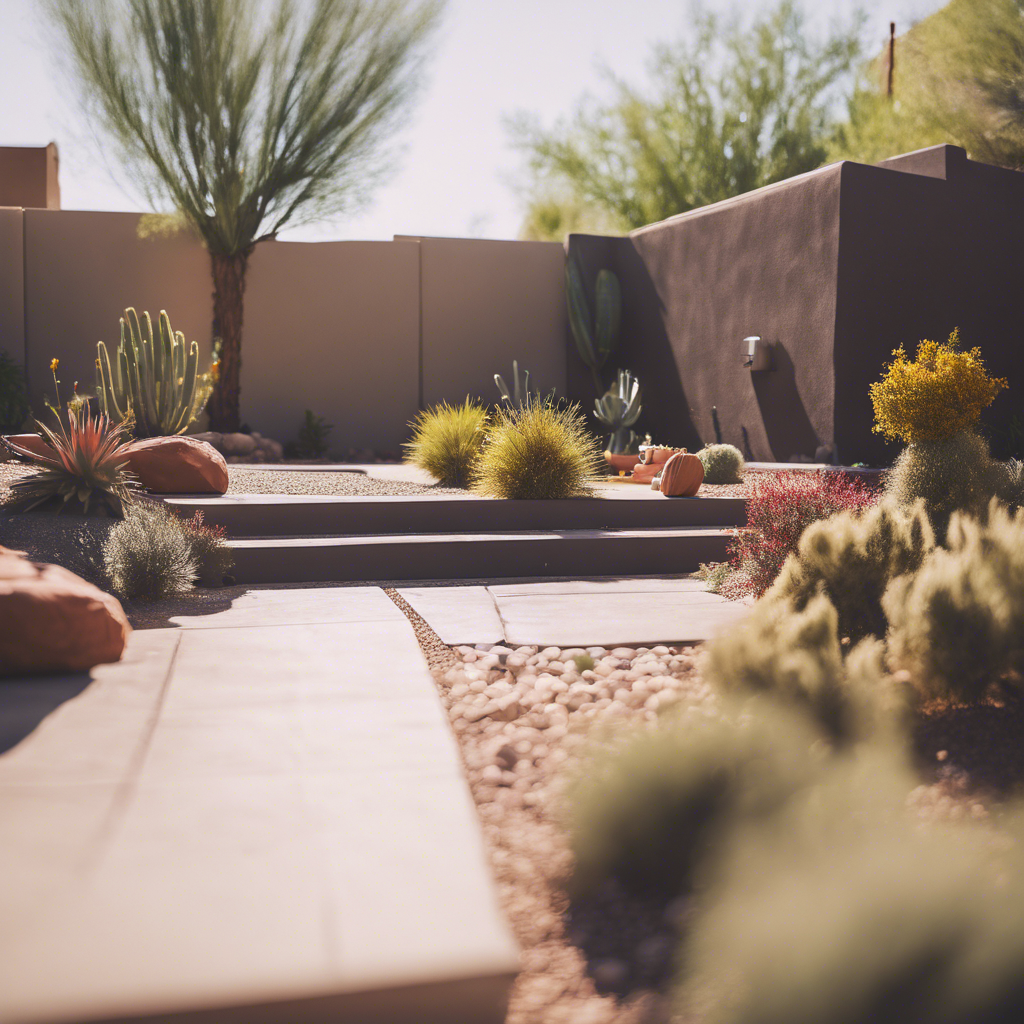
130 354
164 344
187 391
499 381
579 315
608 298
105 390
145 360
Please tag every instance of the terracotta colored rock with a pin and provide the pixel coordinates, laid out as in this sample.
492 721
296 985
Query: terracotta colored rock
53 621
178 465
645 474
33 443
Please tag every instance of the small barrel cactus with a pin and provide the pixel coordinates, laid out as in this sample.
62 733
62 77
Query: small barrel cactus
723 463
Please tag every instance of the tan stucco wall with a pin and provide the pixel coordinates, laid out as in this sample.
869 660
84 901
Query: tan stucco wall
28 176
82 269
486 303
12 284
332 327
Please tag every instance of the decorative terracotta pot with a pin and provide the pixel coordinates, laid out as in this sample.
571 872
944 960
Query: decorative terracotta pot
682 475
621 462
645 474
654 456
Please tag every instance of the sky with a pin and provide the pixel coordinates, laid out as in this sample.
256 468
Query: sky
456 174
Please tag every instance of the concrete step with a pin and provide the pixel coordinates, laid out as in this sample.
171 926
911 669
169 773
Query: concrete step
458 556
284 515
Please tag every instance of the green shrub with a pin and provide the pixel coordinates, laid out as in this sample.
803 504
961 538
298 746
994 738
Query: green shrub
651 812
796 656
950 475
838 910
14 407
723 464
538 451
852 558
446 442
149 556
312 440
957 624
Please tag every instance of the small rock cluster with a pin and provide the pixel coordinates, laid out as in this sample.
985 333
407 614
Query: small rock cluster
252 447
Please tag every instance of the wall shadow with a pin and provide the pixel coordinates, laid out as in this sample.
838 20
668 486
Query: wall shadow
786 423
25 702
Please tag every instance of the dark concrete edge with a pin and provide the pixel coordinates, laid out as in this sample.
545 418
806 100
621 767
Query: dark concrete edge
472 1000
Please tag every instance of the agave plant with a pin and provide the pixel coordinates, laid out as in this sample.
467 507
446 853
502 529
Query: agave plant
87 467
618 409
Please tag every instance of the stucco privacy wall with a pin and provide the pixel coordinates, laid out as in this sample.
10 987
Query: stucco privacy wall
81 270
694 286
333 327
12 284
485 303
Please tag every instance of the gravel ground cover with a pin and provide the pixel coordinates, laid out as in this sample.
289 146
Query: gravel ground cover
524 717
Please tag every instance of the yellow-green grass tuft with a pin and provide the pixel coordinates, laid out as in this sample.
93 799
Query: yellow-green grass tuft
446 441
538 450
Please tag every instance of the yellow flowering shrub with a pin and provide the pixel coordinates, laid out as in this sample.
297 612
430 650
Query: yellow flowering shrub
937 395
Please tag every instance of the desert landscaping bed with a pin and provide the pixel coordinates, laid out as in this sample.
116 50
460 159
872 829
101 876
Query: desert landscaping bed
524 717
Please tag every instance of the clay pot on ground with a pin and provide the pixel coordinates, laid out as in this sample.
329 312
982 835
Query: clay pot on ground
621 463
177 465
54 621
654 456
682 475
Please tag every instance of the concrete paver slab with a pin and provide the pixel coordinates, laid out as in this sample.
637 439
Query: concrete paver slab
458 615
255 820
621 585
586 620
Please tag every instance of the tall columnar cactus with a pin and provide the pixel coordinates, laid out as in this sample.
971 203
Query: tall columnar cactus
596 334
519 394
618 409
156 379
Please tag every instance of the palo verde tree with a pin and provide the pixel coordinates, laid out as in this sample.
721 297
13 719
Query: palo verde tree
732 108
245 118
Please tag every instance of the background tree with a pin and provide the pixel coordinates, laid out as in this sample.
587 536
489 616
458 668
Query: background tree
244 118
958 77
732 110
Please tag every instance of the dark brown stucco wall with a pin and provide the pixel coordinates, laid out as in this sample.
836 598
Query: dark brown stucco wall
696 285
918 257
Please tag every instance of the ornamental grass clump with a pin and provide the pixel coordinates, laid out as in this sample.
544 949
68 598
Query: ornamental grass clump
149 556
723 464
446 441
538 450
214 560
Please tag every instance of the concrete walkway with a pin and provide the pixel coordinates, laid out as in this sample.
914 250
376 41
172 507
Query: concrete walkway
258 815
576 613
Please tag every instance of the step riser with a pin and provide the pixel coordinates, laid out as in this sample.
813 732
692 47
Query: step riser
312 518
481 559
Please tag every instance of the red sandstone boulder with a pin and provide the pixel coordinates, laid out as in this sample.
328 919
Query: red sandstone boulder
177 465
53 621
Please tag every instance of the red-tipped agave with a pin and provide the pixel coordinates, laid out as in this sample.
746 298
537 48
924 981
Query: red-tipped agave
87 466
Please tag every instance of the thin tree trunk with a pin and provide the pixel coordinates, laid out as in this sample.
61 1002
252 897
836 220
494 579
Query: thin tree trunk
228 291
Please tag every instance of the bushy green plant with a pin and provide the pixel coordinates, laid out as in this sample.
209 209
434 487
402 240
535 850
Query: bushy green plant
155 384
312 440
538 451
836 909
723 463
957 624
953 474
851 558
13 395
446 441
87 469
650 812
150 556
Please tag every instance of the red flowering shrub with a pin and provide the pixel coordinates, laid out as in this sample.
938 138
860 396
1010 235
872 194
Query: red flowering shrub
780 507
